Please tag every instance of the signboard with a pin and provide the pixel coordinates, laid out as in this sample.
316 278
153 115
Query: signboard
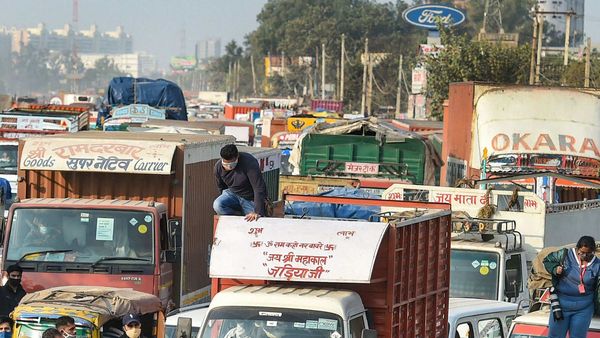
96 155
268 161
563 125
297 124
138 113
361 168
419 80
183 62
295 249
427 16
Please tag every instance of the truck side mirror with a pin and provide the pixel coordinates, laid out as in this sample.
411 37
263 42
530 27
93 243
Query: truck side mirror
511 285
184 328
174 228
366 333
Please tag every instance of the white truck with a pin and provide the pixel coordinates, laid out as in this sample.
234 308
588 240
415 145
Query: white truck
520 227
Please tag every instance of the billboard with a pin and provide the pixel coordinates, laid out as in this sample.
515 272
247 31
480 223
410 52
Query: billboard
538 129
183 62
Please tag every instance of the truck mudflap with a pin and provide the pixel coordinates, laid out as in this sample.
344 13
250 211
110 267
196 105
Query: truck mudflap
296 250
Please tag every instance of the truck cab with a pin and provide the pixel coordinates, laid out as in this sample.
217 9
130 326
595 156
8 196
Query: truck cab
487 260
117 243
480 318
285 312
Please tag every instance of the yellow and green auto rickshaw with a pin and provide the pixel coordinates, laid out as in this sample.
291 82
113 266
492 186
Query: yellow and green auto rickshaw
97 311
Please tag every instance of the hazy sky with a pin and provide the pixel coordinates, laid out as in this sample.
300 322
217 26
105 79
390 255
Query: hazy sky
157 26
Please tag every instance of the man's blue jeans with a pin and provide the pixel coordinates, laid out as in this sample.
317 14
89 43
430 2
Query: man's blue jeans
231 204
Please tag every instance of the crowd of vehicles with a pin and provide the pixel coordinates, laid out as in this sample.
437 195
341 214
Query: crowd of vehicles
123 216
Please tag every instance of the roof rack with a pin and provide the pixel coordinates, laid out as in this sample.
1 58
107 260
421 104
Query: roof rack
489 229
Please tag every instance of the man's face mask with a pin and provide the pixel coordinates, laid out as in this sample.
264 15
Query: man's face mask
229 165
133 332
68 335
14 280
5 334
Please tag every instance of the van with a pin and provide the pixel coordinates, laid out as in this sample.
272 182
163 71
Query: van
195 312
480 318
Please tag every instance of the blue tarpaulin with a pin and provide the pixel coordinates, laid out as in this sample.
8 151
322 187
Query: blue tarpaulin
159 93
332 210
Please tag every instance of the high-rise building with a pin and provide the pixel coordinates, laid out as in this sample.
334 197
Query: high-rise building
208 49
66 39
132 64
557 17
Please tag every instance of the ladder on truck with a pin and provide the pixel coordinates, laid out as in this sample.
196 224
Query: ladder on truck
485 230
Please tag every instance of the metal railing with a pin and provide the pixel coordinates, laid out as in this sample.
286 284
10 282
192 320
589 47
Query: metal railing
573 206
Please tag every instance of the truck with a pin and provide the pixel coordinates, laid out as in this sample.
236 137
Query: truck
120 209
34 120
522 224
332 278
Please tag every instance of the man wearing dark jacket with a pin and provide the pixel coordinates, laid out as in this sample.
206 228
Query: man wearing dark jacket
243 189
12 292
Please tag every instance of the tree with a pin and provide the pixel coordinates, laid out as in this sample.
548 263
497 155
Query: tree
463 59
99 76
515 18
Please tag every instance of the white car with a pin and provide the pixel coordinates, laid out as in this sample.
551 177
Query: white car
195 312
479 318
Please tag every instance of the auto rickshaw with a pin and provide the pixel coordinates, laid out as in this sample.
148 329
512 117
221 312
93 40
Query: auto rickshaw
97 311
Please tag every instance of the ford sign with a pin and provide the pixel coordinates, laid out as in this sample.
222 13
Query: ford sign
427 16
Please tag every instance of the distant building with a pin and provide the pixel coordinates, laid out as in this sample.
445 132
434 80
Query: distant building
84 41
208 49
559 20
5 43
133 64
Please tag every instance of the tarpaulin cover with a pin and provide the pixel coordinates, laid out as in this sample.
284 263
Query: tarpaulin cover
331 210
159 93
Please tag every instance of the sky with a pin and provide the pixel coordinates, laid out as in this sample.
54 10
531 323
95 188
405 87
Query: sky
157 26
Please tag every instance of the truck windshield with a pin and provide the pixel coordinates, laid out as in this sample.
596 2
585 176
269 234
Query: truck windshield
474 274
254 322
8 159
83 236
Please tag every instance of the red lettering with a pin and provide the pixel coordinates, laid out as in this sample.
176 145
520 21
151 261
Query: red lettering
500 142
544 140
566 141
518 140
589 145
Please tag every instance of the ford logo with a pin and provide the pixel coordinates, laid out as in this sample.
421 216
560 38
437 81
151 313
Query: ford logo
427 16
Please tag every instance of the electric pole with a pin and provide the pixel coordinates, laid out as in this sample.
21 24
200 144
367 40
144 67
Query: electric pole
567 33
588 52
364 84
399 90
343 53
323 71
253 74
540 31
370 87
533 50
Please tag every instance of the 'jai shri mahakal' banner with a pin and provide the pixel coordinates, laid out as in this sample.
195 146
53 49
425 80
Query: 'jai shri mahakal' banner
295 249
95 155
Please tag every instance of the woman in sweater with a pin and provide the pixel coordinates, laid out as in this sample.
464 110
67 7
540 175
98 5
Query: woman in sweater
575 279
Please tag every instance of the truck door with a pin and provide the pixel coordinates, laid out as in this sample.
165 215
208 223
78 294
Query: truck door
515 275
357 324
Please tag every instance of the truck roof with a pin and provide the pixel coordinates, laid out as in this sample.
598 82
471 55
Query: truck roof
78 202
542 316
341 302
461 243
186 139
462 307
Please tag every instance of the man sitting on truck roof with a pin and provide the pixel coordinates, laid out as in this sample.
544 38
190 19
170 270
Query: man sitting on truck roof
243 189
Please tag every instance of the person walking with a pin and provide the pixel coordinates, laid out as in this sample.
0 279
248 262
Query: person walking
575 279
12 292
243 189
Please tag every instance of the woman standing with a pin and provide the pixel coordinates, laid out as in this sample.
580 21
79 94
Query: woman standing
575 275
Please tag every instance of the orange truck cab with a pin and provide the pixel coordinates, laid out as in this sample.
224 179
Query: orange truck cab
119 209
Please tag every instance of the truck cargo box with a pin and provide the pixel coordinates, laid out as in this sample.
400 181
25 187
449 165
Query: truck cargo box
399 269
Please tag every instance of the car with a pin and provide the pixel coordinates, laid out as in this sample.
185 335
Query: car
535 325
479 318
195 312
